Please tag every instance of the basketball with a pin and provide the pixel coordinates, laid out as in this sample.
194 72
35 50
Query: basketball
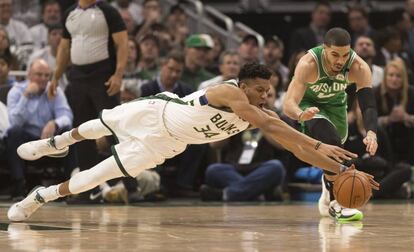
352 189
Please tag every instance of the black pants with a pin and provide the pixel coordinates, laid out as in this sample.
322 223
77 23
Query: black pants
323 130
87 97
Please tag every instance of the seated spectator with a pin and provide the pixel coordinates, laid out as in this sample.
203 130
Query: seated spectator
152 14
20 37
169 78
5 50
49 52
197 47
392 176
131 84
273 55
365 48
165 38
213 56
149 48
133 8
249 49
229 65
395 102
177 24
305 38
250 166
5 78
50 16
358 20
27 11
33 116
129 21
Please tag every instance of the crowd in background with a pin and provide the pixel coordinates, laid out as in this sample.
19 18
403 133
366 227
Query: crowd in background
162 55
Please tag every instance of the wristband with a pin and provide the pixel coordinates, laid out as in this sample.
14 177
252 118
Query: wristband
317 145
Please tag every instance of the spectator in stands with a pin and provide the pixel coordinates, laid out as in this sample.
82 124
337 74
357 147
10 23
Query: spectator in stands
18 31
133 8
249 49
152 14
149 48
409 7
165 38
358 21
307 37
33 116
49 52
129 21
365 48
293 62
196 48
50 16
177 23
213 56
395 99
27 11
5 50
131 84
96 42
5 78
401 20
273 55
169 78
250 167
229 65
390 44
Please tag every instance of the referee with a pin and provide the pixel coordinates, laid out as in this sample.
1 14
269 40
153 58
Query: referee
95 41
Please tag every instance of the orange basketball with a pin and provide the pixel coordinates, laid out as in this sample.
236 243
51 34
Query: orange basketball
352 189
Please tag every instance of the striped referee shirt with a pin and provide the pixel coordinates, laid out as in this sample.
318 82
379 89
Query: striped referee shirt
90 31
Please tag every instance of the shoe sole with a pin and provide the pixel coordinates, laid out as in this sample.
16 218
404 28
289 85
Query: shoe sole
355 217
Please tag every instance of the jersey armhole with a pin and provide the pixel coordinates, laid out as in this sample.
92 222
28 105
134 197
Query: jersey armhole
315 58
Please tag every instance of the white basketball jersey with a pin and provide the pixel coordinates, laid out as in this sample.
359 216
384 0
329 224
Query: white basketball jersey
192 120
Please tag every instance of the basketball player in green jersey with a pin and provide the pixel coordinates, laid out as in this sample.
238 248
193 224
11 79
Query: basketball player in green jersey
316 98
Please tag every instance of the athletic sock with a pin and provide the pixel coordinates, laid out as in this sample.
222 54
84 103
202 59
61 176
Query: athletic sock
50 193
66 139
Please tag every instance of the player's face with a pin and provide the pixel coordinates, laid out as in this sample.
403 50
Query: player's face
336 56
256 91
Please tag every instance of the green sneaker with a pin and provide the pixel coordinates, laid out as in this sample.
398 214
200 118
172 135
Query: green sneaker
343 214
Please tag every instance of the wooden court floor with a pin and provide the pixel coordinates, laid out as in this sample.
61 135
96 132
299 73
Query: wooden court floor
388 226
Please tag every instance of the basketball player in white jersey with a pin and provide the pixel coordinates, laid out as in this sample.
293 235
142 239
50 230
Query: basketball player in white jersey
152 129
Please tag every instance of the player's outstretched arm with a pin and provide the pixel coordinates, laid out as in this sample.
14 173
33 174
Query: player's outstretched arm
306 71
325 156
360 73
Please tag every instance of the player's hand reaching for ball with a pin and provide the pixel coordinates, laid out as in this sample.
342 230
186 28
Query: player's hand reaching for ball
336 152
374 184
308 114
371 142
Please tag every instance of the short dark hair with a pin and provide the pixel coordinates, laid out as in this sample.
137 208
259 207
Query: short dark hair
47 3
254 70
322 3
337 37
359 8
227 53
175 55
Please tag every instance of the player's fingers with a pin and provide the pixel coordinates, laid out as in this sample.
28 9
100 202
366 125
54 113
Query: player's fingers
374 184
335 156
347 153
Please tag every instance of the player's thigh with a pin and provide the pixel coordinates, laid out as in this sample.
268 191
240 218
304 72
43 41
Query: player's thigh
323 130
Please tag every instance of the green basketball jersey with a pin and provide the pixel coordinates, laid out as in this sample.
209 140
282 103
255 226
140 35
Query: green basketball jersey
328 93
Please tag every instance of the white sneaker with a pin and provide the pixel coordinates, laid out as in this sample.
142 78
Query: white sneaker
324 200
344 214
22 210
36 149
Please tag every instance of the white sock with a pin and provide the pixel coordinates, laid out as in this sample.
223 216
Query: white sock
50 193
66 139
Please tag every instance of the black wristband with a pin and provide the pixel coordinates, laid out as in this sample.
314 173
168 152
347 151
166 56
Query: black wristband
317 145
